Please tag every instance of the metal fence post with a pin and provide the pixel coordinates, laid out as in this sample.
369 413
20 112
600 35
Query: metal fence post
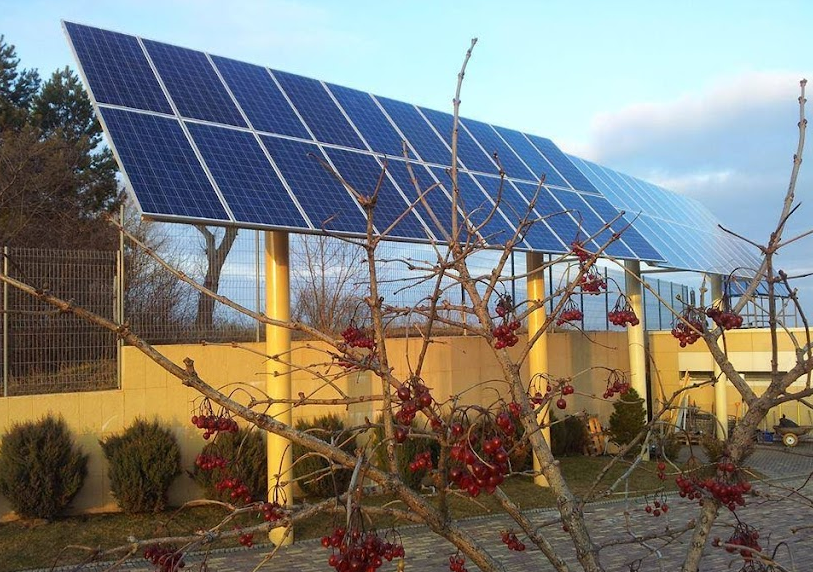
5 323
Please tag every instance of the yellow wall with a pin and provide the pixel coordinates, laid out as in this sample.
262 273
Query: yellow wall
455 365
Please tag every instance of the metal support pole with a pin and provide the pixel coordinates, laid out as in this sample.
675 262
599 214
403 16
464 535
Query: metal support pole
720 394
636 335
538 357
119 309
278 374
5 323
257 281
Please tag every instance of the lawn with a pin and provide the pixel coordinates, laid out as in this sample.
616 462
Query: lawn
41 545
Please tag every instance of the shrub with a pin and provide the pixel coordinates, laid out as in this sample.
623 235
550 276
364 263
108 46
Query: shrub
41 469
405 453
246 454
144 460
568 437
628 418
310 469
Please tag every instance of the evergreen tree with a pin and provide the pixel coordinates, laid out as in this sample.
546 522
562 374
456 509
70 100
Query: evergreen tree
629 417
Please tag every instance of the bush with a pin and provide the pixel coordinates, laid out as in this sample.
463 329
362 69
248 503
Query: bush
144 460
246 454
310 469
41 469
405 453
629 417
568 437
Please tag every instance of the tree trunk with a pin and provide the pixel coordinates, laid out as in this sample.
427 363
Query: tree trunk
215 259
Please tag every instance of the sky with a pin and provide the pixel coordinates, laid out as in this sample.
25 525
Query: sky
697 96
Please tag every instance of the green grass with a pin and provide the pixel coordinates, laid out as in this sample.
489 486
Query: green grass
40 545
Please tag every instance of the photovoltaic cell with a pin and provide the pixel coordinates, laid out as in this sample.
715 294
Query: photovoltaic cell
245 176
159 161
417 131
631 237
559 160
318 110
363 172
477 207
591 223
193 84
538 236
376 129
323 198
554 214
492 143
117 69
439 206
260 98
532 157
468 152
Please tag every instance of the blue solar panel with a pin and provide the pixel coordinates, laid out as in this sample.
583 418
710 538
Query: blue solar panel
319 111
591 223
554 214
363 172
477 207
368 118
117 69
559 160
468 152
492 143
193 84
417 131
260 98
245 176
159 161
323 198
631 237
226 106
538 236
433 195
532 157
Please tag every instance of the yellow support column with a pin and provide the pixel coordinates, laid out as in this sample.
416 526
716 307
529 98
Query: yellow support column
720 394
538 357
635 334
278 375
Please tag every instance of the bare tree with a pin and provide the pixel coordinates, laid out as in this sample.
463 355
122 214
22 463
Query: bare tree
216 255
471 460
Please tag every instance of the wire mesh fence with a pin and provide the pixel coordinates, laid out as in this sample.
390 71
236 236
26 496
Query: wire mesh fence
47 351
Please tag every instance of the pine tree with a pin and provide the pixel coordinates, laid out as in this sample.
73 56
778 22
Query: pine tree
628 417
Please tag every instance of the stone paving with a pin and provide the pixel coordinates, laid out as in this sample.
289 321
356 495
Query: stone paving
776 506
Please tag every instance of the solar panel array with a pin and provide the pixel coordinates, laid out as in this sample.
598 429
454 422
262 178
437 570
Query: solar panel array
206 139
680 228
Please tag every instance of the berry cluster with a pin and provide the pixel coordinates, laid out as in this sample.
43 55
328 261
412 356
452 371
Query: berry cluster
577 247
505 332
657 508
474 473
616 384
728 486
246 539
207 419
210 462
744 535
662 470
592 282
239 490
622 313
687 328
570 313
510 539
358 338
457 563
421 461
566 389
272 511
726 320
164 558
360 551
414 396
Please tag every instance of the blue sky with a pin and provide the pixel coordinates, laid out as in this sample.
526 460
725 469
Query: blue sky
698 96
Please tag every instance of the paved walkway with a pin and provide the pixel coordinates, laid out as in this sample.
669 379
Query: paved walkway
775 507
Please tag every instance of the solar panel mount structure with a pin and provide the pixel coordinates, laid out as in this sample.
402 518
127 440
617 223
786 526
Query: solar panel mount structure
210 140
